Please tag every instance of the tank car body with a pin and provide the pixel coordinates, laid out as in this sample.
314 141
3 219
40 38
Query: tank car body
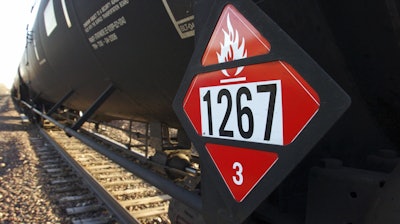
83 46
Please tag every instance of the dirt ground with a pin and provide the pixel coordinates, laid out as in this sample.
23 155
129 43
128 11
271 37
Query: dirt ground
23 185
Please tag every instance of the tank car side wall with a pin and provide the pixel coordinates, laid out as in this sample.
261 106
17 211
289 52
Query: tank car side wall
73 65
84 46
141 53
34 67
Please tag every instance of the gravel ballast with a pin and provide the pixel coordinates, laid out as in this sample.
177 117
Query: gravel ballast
24 189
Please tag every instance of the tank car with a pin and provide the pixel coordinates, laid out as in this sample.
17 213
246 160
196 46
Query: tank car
125 59
102 43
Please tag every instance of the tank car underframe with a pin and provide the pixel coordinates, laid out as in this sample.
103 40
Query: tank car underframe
189 198
175 155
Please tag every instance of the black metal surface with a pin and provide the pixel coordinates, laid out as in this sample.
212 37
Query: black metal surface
385 207
339 194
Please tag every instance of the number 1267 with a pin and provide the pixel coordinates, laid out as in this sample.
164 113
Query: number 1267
246 112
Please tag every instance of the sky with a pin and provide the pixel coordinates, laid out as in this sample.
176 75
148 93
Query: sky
14 16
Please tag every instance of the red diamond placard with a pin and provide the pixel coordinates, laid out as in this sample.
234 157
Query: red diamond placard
254 104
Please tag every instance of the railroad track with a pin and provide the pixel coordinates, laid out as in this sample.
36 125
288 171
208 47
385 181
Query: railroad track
70 193
118 195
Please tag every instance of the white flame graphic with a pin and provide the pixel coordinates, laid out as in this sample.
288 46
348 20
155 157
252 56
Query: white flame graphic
231 49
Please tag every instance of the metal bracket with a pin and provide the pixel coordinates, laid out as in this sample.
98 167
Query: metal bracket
92 109
59 103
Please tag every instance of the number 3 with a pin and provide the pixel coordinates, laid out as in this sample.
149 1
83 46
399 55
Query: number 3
238 179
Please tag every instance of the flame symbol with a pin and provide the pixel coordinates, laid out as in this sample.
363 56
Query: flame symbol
231 49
